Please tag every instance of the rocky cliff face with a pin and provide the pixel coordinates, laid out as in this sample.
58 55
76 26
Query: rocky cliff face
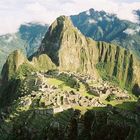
72 51
117 62
68 48
12 64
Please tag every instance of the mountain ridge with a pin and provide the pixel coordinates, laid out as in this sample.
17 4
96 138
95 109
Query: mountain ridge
102 26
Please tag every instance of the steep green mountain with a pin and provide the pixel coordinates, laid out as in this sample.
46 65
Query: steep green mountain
72 51
18 66
27 39
9 43
12 64
59 93
67 47
14 72
102 26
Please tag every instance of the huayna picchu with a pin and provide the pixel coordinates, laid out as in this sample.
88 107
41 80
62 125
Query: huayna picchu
71 88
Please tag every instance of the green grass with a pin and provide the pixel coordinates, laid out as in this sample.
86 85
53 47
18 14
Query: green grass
61 84
111 97
127 105
54 81
65 87
84 92
82 108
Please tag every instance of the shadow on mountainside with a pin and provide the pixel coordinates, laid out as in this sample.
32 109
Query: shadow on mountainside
8 93
136 90
127 105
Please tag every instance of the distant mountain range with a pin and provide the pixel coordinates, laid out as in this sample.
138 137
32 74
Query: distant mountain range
27 39
102 26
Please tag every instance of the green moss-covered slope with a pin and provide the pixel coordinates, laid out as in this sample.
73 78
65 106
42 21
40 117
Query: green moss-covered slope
103 26
119 63
43 63
12 64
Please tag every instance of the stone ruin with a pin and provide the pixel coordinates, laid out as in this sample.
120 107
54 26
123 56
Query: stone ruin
55 100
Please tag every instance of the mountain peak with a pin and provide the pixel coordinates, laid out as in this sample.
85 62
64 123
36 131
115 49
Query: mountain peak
60 31
68 48
14 60
63 18
61 22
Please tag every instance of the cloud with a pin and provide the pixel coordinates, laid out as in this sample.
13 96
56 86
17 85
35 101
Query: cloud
126 11
66 1
35 8
127 1
15 12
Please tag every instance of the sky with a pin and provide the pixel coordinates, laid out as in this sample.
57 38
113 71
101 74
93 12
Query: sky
15 12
